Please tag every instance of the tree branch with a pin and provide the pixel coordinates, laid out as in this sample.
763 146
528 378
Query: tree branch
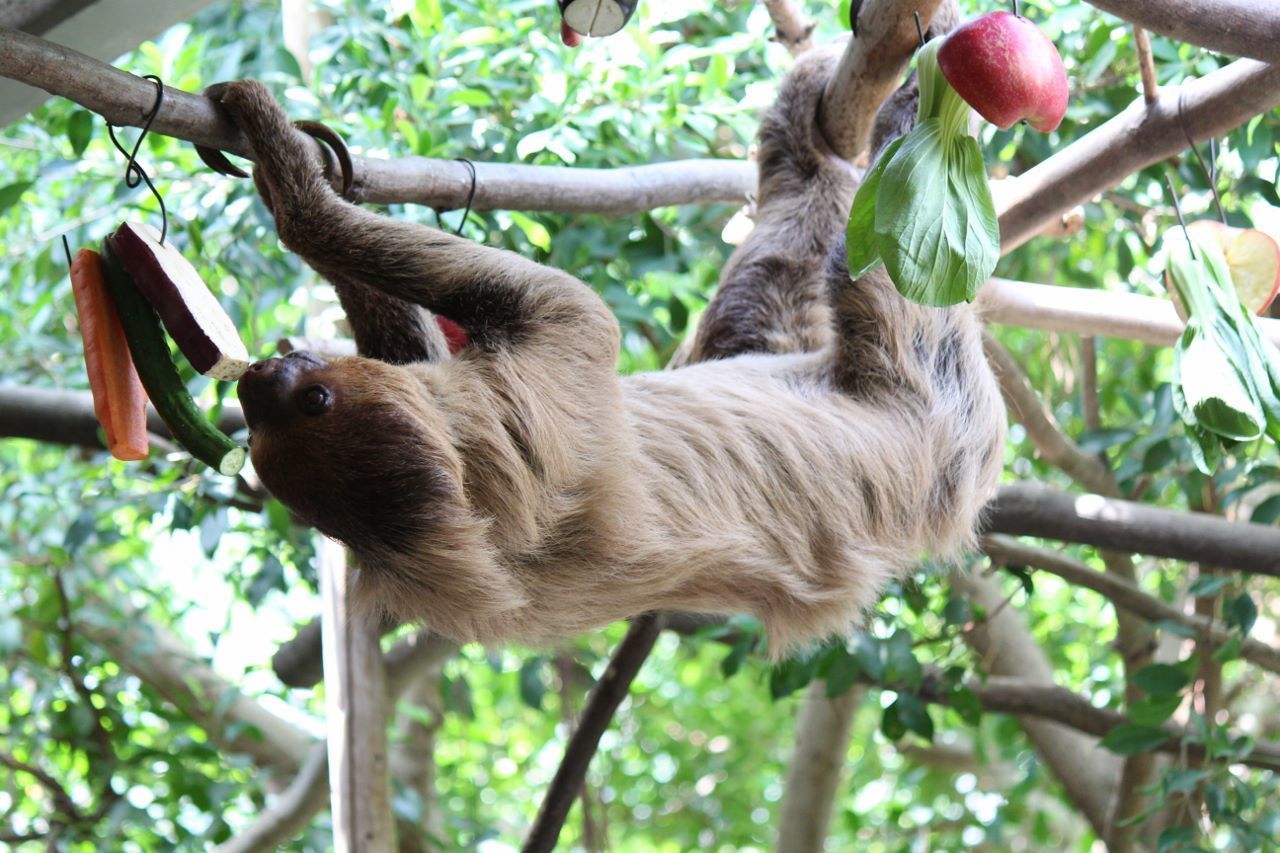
603 702
1027 509
169 667
1050 702
792 30
1004 646
308 793
1235 27
1121 593
1050 441
286 817
813 774
1084 311
125 99
1139 136
67 417
63 805
1146 65
872 67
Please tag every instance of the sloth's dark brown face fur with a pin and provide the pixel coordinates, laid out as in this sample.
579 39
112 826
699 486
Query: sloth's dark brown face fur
349 445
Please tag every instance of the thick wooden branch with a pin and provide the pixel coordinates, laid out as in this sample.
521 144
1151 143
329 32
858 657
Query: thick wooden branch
1235 27
871 68
1140 135
1123 594
1027 509
66 417
124 99
356 710
601 705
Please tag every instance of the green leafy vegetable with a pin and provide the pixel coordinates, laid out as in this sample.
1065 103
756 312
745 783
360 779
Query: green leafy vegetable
925 209
1226 376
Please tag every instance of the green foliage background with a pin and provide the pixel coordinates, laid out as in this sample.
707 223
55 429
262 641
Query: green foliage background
698 758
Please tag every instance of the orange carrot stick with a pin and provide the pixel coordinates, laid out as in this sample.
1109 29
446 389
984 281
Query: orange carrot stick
118 398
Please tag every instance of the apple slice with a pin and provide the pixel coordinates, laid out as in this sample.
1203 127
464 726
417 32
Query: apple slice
191 313
1253 257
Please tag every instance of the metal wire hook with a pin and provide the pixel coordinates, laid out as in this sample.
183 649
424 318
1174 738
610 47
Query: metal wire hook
1210 170
1177 209
471 195
134 174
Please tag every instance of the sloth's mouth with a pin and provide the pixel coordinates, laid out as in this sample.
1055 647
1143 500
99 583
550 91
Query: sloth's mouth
268 387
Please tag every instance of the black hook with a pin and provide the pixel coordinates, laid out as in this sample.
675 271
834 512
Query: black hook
919 29
855 6
1211 170
471 195
134 174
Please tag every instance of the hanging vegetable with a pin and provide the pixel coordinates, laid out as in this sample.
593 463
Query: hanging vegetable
925 210
160 375
119 400
195 320
1226 375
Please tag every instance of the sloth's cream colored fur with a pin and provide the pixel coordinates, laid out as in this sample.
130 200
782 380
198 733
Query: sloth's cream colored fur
521 491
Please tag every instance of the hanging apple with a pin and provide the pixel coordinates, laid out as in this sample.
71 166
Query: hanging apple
1007 70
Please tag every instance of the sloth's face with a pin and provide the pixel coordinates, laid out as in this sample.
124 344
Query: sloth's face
352 446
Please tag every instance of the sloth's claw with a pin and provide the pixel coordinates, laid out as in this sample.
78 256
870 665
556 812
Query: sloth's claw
212 157
334 142
218 162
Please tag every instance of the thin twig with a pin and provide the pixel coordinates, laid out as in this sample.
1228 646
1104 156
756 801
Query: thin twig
1002 694
1146 65
63 805
1123 594
1089 382
601 705
1050 441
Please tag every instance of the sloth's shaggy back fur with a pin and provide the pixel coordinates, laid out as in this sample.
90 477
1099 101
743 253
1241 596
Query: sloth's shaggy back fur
832 435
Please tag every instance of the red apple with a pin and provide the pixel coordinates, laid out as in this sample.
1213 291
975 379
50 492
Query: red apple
1007 70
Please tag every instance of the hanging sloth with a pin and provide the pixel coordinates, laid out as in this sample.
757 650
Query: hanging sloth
520 490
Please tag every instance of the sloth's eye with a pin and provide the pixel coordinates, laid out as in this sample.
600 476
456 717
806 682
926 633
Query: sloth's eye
315 400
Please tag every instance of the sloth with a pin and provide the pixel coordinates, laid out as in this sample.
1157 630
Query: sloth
829 435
